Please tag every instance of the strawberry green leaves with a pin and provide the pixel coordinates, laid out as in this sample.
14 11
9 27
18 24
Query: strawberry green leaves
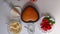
49 19
52 22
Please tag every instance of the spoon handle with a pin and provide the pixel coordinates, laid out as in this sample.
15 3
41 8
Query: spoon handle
10 3
12 6
28 28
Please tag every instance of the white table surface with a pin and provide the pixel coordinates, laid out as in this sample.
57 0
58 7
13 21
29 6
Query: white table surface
50 6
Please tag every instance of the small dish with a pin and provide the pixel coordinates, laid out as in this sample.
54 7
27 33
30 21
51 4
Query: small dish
14 27
47 23
29 13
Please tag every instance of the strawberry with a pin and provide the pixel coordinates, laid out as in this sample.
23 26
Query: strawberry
45 25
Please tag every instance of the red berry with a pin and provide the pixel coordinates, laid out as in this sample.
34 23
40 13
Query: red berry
42 24
45 25
45 29
45 20
32 0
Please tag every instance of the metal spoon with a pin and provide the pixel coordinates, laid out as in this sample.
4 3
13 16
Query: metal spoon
30 27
